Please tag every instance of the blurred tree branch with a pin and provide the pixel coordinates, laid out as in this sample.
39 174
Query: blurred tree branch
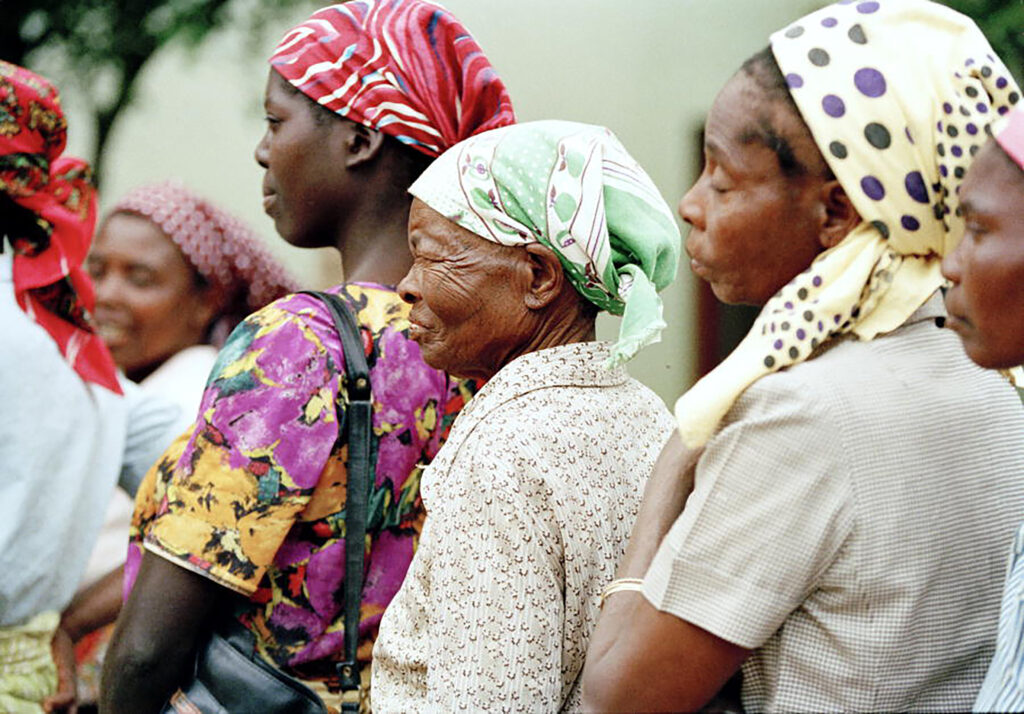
107 43
1002 21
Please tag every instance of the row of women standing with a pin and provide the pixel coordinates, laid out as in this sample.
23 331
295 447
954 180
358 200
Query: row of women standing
831 507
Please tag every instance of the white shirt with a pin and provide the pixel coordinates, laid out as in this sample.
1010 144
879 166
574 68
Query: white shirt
530 504
64 444
179 380
849 523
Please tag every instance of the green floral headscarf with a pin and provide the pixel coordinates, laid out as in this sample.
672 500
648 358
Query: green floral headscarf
574 188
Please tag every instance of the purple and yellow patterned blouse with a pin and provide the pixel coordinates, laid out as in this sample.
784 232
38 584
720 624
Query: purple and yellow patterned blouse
253 495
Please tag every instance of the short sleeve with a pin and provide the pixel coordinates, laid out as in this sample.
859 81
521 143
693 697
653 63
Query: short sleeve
497 592
771 508
266 428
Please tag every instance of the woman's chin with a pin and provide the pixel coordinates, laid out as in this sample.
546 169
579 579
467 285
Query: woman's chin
431 353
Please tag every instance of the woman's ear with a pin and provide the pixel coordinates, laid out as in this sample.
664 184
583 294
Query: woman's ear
547 279
204 306
363 144
840 215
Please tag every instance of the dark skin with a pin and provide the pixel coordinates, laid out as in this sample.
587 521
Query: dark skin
328 182
64 698
633 638
365 214
94 607
477 305
160 627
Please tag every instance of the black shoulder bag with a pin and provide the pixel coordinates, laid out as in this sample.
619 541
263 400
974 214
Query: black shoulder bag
230 677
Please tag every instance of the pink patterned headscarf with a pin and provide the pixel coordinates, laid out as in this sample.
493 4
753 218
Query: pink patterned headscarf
407 68
243 274
1011 136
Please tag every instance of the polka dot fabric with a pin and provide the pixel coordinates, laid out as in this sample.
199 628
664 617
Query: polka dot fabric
221 248
899 96
574 188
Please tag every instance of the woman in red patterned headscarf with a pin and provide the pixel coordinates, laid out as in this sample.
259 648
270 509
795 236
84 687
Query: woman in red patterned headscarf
360 98
49 283
68 428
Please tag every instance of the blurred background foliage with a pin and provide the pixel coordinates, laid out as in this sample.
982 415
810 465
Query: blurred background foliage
105 44
1002 21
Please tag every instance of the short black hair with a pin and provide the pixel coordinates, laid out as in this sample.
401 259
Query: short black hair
764 70
411 162
18 222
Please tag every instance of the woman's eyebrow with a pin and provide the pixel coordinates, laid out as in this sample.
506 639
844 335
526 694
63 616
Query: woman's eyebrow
766 135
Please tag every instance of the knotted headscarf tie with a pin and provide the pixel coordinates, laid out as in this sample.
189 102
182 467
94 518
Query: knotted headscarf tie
49 282
407 68
574 188
899 96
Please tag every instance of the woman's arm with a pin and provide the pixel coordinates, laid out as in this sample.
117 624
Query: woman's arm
154 646
633 638
94 607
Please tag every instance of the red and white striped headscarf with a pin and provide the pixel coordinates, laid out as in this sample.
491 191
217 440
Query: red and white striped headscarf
407 68
242 273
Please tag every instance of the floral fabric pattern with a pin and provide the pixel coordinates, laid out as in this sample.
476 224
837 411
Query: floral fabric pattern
253 495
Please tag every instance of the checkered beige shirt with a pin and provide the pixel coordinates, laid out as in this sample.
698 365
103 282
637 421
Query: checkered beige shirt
850 523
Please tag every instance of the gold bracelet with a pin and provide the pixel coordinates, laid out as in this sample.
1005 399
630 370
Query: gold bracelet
620 584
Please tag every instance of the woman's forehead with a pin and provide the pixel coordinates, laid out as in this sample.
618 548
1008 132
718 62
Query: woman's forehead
431 229
746 117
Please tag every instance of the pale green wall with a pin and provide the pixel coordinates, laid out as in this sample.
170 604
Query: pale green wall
648 69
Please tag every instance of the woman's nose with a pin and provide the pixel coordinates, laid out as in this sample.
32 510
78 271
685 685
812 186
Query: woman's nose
106 289
262 151
689 207
951 263
408 287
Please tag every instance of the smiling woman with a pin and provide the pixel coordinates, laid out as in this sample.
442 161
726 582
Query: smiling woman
519 237
173 271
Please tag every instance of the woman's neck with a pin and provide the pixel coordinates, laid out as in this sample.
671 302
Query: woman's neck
375 248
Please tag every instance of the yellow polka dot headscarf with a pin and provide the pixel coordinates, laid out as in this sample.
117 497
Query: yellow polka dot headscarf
899 96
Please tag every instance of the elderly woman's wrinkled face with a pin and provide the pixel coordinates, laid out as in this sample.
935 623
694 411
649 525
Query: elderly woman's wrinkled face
468 315
148 304
755 224
986 299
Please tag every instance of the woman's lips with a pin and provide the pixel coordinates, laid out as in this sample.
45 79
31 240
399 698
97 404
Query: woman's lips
111 333
956 323
416 331
268 201
698 269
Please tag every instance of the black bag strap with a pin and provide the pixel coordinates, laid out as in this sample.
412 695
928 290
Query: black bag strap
357 417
